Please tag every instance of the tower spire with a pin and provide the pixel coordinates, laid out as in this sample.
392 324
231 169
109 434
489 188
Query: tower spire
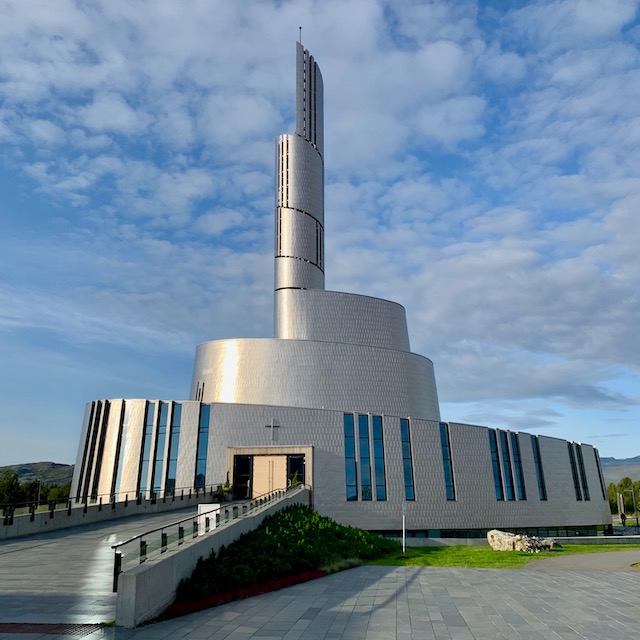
299 233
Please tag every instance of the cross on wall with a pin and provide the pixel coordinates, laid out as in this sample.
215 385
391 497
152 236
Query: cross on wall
272 426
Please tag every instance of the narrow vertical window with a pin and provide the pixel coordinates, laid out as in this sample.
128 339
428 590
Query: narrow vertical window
120 449
537 461
174 444
85 455
583 473
351 471
147 437
95 427
495 465
161 435
97 467
203 445
600 476
365 456
407 461
378 457
506 466
447 465
574 471
517 463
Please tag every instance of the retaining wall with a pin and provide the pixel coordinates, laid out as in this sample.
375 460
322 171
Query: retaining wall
147 589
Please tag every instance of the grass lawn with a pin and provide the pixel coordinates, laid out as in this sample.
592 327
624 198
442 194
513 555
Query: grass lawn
486 558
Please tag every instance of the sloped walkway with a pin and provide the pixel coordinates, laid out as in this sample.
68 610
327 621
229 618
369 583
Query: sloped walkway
66 576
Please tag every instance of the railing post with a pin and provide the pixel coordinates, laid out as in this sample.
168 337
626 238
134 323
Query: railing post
69 507
189 493
182 495
180 534
117 569
217 519
207 524
195 528
32 511
113 502
163 542
143 550
100 504
126 499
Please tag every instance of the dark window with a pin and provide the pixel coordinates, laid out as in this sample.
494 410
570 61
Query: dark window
104 423
517 463
203 445
583 473
174 444
147 437
158 458
600 476
537 461
407 462
445 443
351 472
506 466
120 449
85 455
495 465
574 471
365 457
378 456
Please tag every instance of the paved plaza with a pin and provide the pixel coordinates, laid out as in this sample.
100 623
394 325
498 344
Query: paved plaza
65 577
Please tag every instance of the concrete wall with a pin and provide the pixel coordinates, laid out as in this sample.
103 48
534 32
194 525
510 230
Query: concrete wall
147 589
45 521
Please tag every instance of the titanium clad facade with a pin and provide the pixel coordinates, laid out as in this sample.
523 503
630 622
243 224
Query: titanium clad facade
336 400
304 373
333 316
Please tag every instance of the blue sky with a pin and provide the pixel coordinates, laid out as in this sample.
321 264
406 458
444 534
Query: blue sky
481 169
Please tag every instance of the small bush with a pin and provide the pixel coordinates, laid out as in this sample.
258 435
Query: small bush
293 541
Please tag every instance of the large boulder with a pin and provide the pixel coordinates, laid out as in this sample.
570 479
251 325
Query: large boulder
504 541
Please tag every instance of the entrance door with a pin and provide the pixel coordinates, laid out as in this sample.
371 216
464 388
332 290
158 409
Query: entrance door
269 474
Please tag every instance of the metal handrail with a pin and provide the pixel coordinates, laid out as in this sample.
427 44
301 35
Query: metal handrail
258 501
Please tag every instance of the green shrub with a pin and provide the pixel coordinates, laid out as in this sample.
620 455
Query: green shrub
290 542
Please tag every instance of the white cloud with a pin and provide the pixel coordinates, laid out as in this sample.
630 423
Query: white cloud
481 166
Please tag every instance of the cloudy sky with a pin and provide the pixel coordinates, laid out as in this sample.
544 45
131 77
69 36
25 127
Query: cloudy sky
482 167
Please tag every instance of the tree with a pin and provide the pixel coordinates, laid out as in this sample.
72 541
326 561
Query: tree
612 495
10 487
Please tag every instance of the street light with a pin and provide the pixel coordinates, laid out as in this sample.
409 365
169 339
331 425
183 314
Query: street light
635 507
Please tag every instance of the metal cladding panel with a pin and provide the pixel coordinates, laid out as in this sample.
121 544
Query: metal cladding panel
311 374
298 237
81 447
300 179
309 99
186 468
292 272
111 444
132 446
332 316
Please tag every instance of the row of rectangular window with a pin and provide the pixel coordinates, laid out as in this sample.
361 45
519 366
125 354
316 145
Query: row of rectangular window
507 459
367 426
578 472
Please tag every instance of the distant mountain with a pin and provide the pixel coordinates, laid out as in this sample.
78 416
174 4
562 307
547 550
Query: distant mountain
615 469
52 473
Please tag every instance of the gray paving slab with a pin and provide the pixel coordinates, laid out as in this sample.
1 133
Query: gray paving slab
66 577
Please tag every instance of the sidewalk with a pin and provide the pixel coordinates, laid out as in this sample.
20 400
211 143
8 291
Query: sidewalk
66 577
